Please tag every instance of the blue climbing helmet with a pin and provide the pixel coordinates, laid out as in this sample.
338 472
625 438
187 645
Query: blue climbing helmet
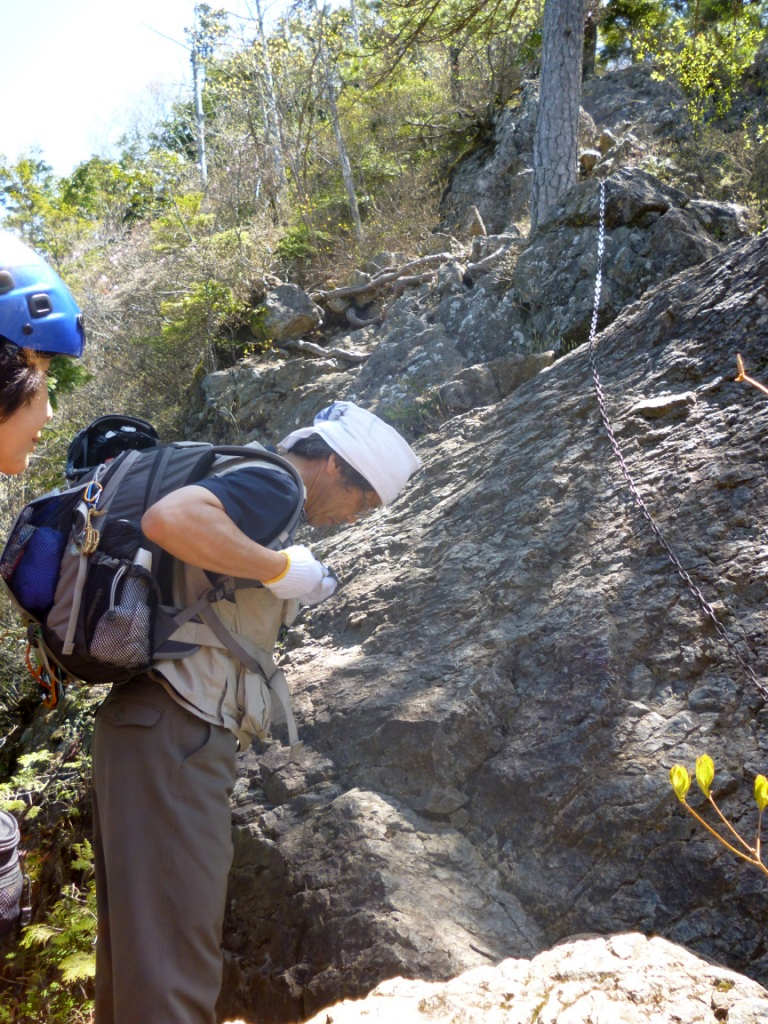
37 310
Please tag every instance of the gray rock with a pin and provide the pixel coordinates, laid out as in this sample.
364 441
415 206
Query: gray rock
728 222
494 176
383 261
650 236
621 111
588 160
289 313
493 700
624 979
631 100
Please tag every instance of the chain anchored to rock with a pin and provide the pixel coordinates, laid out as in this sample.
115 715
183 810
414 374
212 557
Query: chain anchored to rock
704 605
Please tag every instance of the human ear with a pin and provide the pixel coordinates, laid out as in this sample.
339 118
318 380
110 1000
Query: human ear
333 466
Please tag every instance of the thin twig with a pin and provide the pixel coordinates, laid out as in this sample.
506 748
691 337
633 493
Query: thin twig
742 376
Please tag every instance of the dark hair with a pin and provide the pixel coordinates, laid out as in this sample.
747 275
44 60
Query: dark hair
21 377
315 448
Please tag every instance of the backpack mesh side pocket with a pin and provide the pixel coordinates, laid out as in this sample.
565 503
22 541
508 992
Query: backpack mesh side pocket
119 608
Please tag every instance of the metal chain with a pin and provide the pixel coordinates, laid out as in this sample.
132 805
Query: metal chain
703 604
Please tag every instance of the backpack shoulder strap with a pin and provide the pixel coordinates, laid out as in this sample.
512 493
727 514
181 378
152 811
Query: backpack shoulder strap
232 457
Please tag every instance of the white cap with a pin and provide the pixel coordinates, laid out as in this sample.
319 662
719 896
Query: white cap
367 443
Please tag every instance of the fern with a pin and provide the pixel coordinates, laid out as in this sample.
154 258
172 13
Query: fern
37 935
78 967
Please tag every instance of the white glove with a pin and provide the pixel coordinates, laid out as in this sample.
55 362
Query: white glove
302 574
325 588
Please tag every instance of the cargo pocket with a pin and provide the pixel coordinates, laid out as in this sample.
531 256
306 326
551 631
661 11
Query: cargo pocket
254 704
121 711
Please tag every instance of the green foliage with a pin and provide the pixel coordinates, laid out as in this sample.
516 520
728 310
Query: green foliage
487 48
207 310
31 778
47 976
54 966
705 774
626 25
708 67
295 245
119 192
64 376
28 198
705 50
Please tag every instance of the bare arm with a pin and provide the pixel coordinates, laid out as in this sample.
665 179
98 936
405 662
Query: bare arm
191 525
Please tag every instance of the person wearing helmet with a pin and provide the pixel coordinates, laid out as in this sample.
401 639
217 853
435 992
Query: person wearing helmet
39 319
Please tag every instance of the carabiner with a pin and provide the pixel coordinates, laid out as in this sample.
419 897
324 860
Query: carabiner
92 493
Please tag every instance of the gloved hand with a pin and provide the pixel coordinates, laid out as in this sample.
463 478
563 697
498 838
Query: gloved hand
325 588
303 573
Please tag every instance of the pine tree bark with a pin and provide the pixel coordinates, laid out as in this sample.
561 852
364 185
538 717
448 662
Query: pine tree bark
555 150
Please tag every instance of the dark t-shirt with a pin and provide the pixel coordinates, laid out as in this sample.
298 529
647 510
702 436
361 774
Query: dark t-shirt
258 500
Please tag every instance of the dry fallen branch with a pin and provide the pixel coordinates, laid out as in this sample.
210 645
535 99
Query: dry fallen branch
386 277
484 264
318 350
409 282
355 321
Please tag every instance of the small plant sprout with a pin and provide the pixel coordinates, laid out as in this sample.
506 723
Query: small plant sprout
705 774
742 376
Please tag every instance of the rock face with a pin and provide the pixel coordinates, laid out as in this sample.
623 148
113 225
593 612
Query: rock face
472 335
495 178
626 979
494 699
622 112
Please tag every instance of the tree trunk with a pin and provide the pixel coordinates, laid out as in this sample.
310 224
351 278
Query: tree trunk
197 84
355 23
346 167
271 120
330 91
555 150
589 59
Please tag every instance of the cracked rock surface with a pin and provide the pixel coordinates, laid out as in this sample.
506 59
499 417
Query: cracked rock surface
624 979
493 701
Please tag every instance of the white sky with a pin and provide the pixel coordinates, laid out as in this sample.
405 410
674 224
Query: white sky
75 73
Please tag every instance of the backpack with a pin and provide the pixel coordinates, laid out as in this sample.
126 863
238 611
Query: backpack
15 910
96 595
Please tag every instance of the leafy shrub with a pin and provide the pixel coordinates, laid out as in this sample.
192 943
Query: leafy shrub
49 977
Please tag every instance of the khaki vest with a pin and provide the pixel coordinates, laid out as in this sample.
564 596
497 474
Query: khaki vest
211 682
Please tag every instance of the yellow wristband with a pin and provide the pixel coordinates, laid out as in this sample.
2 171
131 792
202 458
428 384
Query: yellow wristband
283 574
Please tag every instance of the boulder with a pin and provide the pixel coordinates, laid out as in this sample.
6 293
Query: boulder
633 99
624 979
494 176
287 313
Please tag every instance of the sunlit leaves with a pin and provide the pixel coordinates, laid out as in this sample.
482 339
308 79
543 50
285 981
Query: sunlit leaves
681 781
727 834
761 792
705 773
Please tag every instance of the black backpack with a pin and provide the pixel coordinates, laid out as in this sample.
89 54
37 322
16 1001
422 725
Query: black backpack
94 593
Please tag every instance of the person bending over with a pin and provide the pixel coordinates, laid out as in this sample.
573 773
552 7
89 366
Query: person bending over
165 742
